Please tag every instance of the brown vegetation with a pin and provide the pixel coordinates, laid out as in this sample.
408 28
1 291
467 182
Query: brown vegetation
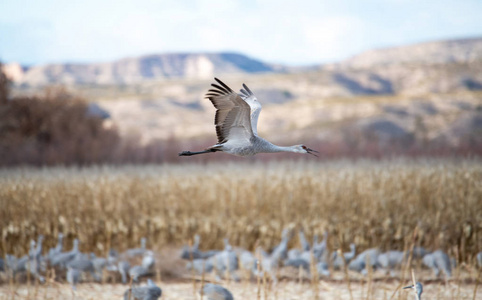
369 203
52 128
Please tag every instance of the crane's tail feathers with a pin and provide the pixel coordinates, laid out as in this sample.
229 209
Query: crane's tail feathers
189 153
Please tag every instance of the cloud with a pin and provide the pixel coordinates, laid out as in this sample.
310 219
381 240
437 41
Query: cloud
332 38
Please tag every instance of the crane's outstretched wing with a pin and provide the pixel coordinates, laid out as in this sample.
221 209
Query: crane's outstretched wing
254 104
232 118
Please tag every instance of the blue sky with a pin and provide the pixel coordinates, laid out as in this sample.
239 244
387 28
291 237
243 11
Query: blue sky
287 32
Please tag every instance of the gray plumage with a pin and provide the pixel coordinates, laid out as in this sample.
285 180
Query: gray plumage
112 259
148 261
417 289
99 264
247 260
226 261
137 251
82 263
63 258
294 253
359 264
429 261
2 265
200 265
16 265
149 292
137 272
319 249
123 268
33 263
188 254
305 246
438 261
304 261
391 259
208 254
419 252
146 268
215 292
36 249
193 252
298 263
31 251
39 249
280 252
340 261
267 264
322 269
236 123
270 263
58 248
479 259
112 256
73 277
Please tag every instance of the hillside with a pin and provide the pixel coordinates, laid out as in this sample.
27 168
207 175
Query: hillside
431 53
138 69
422 94
432 67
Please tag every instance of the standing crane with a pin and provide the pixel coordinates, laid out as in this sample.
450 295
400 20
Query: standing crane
215 292
236 124
149 292
417 289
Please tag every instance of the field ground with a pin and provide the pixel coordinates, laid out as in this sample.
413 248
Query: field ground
289 290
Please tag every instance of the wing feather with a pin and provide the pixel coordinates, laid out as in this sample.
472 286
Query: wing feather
231 112
248 96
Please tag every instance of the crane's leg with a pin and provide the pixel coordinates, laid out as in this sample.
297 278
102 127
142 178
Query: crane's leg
189 153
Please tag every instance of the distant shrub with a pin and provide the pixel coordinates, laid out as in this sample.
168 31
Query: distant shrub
4 86
51 129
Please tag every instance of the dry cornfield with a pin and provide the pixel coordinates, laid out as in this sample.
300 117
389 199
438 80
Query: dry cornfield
370 203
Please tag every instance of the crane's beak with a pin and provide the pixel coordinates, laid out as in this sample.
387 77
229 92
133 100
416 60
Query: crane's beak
311 151
409 287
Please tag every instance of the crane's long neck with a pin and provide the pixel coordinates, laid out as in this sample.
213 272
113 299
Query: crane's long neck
272 148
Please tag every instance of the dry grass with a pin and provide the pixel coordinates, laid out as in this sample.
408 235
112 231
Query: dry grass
369 203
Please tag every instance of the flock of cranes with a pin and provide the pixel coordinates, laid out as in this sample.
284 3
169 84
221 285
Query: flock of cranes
229 263
310 258
75 266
